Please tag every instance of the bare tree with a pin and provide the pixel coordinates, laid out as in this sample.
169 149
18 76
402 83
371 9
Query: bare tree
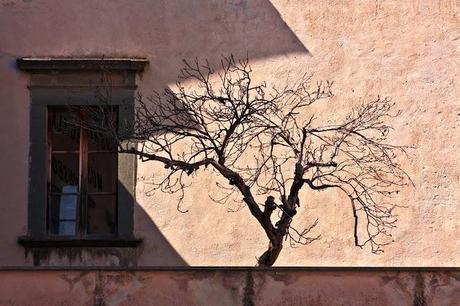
269 146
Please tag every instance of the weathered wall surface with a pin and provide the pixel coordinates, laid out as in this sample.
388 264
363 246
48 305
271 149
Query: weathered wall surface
226 287
408 50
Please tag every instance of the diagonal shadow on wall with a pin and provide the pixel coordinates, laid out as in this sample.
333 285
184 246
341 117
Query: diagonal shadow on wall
210 29
155 245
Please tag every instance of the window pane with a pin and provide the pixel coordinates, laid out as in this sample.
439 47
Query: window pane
105 120
102 172
64 173
100 142
67 228
65 136
101 214
63 214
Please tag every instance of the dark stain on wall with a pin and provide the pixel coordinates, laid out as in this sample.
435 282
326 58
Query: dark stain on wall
99 298
121 257
248 295
419 291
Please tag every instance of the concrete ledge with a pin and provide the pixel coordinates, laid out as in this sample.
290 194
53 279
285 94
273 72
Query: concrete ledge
230 269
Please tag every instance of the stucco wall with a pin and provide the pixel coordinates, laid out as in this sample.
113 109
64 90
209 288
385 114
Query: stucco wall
408 50
230 287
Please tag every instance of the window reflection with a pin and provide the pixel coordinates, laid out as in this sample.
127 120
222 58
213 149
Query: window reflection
83 174
63 211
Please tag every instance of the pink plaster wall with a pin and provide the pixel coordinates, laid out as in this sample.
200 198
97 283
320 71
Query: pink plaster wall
405 49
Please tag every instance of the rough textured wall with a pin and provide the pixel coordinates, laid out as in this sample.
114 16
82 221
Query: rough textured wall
226 287
407 50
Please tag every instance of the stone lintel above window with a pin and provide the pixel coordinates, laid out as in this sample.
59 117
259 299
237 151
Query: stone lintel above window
73 63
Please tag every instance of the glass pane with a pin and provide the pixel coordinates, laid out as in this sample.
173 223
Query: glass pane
65 135
67 228
63 214
100 142
101 214
102 172
105 120
64 173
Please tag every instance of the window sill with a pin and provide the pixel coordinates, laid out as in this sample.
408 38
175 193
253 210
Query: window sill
29 242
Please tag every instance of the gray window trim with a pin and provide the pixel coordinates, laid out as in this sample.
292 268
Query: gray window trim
45 95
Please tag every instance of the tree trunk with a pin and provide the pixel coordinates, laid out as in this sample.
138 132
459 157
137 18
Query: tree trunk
269 257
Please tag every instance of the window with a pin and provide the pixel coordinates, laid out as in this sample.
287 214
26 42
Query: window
82 174
81 191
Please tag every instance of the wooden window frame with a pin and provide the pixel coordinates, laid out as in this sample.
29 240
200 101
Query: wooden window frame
83 152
